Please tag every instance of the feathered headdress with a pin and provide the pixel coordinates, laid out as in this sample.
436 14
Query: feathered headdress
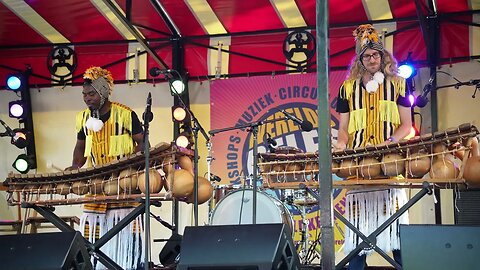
101 79
366 37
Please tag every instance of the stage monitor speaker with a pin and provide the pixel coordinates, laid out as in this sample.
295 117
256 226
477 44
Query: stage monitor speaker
170 251
439 247
238 247
42 251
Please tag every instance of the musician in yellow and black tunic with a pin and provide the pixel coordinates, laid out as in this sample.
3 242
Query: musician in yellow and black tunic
374 110
107 131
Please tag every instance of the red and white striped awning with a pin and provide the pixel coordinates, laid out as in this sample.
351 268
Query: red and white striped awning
251 33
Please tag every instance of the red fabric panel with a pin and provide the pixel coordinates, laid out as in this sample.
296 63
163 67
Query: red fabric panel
196 62
20 58
183 18
444 6
403 8
241 16
409 41
307 9
350 11
454 39
87 56
341 40
165 53
143 13
264 46
80 21
101 56
14 31
77 20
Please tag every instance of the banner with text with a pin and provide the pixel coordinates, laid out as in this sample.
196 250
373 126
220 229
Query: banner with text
238 102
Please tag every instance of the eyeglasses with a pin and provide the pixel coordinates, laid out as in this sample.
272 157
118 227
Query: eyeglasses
367 57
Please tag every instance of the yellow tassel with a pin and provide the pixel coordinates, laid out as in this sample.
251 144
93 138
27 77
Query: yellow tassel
358 120
348 88
88 146
400 85
114 147
389 112
121 114
80 120
120 145
89 161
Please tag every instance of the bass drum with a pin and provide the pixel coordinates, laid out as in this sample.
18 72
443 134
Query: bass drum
237 208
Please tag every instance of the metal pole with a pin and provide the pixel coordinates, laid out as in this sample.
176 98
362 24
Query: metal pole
324 139
195 175
146 145
255 154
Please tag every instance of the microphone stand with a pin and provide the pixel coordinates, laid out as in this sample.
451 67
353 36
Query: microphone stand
458 84
147 117
209 173
253 128
475 83
195 129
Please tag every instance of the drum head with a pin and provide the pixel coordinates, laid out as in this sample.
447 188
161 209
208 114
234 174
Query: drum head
237 208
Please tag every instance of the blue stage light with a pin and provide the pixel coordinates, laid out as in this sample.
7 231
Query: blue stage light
14 82
406 71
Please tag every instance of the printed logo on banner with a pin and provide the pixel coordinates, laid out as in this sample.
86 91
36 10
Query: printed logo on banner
262 99
286 133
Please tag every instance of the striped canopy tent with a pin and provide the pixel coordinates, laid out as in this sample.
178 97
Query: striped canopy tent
208 38
219 38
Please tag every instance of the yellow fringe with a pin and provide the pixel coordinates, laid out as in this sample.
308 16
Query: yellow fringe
348 88
120 145
121 114
89 162
88 145
389 112
80 120
400 85
358 120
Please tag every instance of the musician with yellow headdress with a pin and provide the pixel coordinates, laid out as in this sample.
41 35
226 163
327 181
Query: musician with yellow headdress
107 131
374 110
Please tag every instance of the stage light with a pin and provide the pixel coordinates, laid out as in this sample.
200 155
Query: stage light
406 71
411 98
185 138
177 86
179 114
16 109
182 141
20 139
22 163
15 82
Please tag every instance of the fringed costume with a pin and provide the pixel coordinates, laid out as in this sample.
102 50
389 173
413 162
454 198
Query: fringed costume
107 138
373 119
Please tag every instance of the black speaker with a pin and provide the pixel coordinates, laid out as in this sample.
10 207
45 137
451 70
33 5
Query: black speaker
238 247
171 250
42 251
440 247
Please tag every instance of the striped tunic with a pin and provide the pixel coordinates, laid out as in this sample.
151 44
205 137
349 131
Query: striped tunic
112 142
373 116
